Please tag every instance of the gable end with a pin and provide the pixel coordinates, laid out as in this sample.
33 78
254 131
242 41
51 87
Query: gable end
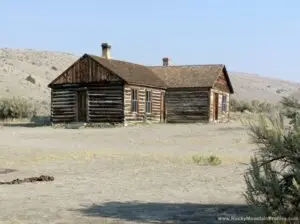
85 70
223 82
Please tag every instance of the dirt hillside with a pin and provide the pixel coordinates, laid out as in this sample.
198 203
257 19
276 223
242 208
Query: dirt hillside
27 72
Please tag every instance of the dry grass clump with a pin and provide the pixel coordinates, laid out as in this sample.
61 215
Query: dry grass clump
206 160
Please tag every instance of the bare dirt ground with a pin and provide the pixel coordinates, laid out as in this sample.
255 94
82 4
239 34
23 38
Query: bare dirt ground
140 174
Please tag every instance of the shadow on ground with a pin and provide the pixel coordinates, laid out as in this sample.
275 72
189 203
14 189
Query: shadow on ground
166 212
6 171
37 121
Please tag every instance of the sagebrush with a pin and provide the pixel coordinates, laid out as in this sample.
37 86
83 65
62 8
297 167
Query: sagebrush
16 107
254 106
273 178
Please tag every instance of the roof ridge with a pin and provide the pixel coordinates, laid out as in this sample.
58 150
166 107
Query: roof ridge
188 65
122 61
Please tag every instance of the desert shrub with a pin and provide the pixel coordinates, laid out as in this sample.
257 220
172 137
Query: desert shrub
273 178
30 79
54 68
16 107
240 105
262 106
254 106
290 108
290 102
210 160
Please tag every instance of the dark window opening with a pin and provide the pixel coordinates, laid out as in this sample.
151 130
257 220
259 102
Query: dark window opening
224 103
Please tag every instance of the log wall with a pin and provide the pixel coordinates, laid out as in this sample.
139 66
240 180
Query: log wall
187 105
63 105
105 104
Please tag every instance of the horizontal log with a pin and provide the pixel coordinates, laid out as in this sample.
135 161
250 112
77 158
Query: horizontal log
118 99
66 109
97 117
63 102
104 109
67 116
186 117
65 105
96 96
63 95
63 99
63 91
106 101
108 113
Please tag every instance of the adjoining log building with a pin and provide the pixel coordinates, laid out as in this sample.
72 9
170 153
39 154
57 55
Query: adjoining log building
101 89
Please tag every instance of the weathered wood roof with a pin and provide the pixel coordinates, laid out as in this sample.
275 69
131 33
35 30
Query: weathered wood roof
130 72
183 76
191 75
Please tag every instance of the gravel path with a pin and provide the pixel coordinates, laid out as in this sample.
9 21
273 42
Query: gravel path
141 174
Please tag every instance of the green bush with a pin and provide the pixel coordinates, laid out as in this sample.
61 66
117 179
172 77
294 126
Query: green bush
210 160
16 107
273 178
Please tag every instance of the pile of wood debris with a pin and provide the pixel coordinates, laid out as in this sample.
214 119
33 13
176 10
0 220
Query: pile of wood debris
29 180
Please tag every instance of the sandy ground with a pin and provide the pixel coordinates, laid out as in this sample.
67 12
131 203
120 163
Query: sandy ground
141 174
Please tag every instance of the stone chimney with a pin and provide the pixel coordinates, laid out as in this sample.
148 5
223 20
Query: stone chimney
166 61
106 50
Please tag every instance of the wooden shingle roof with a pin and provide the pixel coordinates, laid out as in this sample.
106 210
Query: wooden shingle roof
185 76
131 73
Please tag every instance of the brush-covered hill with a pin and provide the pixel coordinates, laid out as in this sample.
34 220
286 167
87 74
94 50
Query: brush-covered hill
26 73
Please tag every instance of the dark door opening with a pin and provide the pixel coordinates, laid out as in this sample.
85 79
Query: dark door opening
162 108
216 106
81 106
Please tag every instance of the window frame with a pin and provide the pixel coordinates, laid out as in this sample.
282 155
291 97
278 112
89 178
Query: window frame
134 101
148 101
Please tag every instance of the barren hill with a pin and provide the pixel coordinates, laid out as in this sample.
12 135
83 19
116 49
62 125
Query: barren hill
26 72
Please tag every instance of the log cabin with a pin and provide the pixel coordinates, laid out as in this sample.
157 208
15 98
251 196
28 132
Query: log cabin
100 89
195 93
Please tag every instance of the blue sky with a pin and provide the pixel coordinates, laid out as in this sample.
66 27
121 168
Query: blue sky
253 36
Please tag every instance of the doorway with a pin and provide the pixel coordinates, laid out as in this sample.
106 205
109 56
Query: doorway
81 106
216 106
162 108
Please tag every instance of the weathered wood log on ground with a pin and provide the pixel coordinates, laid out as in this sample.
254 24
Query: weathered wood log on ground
29 180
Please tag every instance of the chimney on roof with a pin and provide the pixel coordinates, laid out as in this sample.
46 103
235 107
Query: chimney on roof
166 61
106 50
